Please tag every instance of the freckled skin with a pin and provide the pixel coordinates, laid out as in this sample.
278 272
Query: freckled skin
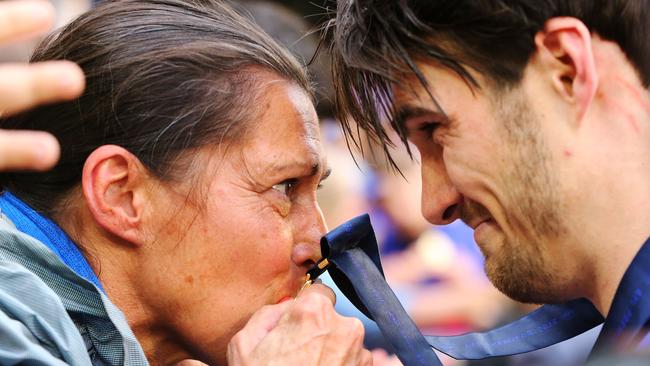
244 241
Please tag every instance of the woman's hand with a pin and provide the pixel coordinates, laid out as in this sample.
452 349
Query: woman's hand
306 331
382 358
25 86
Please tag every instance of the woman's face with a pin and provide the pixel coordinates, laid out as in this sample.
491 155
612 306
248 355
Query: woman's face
249 231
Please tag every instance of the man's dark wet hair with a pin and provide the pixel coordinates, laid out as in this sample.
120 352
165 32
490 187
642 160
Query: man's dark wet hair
293 32
376 42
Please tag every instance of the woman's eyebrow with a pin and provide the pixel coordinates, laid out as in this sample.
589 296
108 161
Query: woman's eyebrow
316 168
313 168
326 174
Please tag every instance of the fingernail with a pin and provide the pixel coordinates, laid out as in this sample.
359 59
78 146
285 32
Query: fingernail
48 150
69 80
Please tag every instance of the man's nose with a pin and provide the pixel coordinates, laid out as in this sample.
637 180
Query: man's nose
309 228
440 199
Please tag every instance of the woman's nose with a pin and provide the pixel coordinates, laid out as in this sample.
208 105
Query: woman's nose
309 228
440 199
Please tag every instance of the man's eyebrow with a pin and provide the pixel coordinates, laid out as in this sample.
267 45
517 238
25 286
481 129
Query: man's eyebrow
408 111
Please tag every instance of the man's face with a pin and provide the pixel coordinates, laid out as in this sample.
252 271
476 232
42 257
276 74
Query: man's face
485 159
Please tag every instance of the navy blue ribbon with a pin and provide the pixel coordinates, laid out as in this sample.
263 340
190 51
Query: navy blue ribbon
628 321
356 269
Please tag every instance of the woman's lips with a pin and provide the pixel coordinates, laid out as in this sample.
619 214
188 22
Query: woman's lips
296 291
286 298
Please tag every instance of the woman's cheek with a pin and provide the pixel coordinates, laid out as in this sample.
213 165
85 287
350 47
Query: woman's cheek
280 203
280 246
284 207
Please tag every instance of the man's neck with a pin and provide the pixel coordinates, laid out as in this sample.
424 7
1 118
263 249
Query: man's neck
618 227
616 186
610 274
622 225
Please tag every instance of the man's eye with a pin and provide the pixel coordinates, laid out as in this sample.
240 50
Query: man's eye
286 187
429 128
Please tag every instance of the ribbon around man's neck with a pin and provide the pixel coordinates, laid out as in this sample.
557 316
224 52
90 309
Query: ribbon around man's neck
354 265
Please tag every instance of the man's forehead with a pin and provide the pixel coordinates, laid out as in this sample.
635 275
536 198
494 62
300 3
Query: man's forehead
415 89
437 88
412 98
408 89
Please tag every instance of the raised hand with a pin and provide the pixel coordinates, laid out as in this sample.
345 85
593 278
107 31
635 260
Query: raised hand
23 86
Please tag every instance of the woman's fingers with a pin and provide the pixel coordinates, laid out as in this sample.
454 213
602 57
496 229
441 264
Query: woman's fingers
27 150
307 331
321 289
259 325
20 19
26 86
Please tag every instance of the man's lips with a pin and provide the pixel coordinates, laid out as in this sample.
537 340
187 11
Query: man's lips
475 223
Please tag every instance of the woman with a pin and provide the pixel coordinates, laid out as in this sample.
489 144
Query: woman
184 197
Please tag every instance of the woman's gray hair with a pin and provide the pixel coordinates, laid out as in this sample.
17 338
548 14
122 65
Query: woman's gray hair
163 77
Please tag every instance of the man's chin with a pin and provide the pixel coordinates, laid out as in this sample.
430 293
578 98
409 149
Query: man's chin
515 293
490 240
521 286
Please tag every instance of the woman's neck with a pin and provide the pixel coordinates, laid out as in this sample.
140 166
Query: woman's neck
116 264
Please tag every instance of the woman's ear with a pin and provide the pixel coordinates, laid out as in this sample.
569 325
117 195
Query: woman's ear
565 50
114 186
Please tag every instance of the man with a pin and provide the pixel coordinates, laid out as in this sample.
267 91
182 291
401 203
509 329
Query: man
532 120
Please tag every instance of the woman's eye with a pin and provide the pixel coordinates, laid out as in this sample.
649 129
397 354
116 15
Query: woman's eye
285 187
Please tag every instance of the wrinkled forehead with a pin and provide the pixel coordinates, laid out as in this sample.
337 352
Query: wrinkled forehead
304 113
286 127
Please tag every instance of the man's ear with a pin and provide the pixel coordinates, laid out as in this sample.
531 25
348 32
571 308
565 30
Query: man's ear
113 182
564 47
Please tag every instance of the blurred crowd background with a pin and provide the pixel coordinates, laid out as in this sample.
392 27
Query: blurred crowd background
437 272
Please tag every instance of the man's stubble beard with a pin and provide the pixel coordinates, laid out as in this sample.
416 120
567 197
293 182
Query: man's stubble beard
521 266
